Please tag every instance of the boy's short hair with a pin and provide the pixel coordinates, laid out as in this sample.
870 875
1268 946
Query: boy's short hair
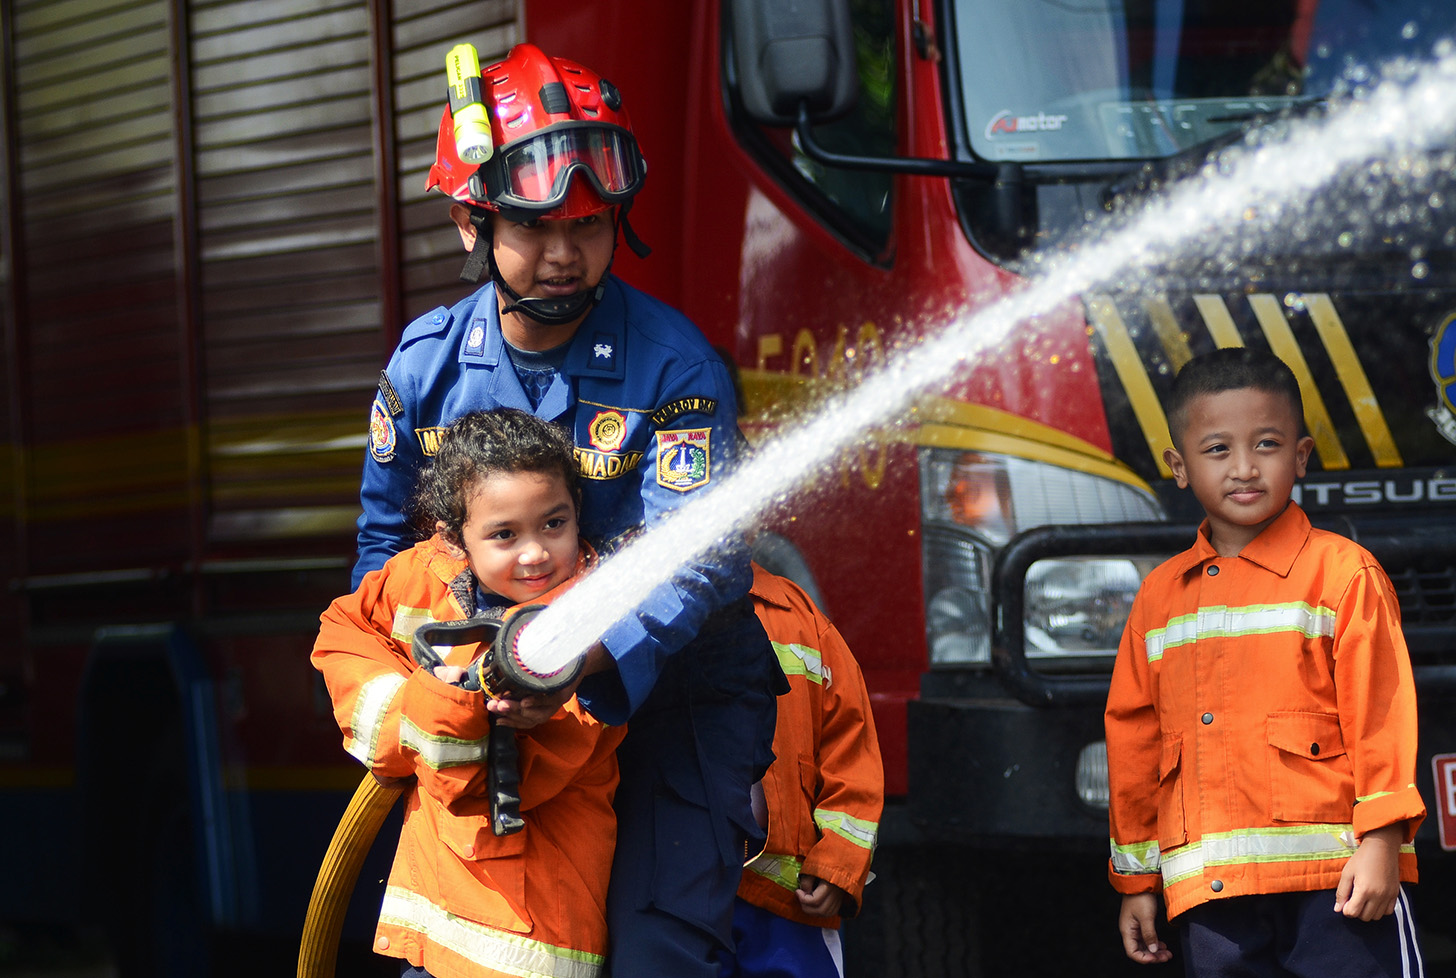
481 444
1228 369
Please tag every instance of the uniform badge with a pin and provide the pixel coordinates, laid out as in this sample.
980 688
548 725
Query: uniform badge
604 352
429 439
607 431
669 413
391 399
382 439
1443 372
683 458
475 342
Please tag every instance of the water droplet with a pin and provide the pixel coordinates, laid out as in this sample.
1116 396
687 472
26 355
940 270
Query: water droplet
1420 270
1345 239
1410 30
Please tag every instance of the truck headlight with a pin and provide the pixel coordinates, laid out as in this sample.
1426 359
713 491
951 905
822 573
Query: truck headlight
971 503
1078 605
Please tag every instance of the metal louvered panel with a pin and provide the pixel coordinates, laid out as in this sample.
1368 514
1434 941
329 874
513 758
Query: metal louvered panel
424 30
107 406
291 284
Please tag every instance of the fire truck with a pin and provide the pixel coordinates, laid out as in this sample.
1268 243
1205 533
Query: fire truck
215 227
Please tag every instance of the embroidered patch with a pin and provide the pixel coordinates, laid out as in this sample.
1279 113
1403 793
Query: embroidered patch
602 465
391 399
683 458
604 352
475 342
607 430
669 413
429 439
382 439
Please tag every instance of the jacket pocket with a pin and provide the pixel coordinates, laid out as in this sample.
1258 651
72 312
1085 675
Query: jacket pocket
1310 777
1172 825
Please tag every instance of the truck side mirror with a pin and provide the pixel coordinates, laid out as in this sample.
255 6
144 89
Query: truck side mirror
790 53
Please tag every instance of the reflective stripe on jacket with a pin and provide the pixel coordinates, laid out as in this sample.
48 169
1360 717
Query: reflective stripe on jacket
826 787
461 901
1261 719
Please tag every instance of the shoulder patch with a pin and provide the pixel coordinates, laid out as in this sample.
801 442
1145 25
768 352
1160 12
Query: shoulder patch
382 438
435 321
391 399
669 413
684 458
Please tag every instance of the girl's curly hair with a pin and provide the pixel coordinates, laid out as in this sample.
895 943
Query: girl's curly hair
479 445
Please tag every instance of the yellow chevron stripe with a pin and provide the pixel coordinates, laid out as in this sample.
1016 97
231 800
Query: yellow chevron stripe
1353 379
1170 334
1270 314
1103 315
1220 324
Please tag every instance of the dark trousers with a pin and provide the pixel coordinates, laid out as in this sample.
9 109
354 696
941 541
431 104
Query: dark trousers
684 817
1297 935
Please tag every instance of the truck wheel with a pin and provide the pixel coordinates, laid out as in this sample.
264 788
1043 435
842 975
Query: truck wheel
921 917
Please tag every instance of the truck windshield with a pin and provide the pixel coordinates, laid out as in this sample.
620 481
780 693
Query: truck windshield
1063 80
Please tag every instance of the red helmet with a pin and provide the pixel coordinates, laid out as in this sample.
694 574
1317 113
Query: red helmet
563 143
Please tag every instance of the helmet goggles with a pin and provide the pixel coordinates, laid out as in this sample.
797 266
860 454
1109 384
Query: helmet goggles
535 173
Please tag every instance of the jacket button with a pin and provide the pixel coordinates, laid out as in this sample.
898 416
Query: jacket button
1207 718
1212 570
470 851
383 943
1216 886
1314 748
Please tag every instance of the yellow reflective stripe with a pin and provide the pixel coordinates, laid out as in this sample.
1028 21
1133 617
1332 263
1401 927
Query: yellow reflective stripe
861 832
782 870
488 947
441 752
407 621
1353 379
1220 324
1136 857
800 660
1170 334
1282 844
1270 314
1379 794
1221 621
370 708
1129 366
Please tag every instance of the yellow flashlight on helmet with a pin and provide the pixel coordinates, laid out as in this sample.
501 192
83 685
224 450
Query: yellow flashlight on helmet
467 105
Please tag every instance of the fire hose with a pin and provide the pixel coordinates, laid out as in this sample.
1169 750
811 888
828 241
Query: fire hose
499 672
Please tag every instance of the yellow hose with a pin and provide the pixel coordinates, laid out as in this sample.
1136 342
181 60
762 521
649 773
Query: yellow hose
318 950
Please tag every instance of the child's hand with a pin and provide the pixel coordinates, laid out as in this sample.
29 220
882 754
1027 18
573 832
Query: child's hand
449 674
523 714
819 897
1139 936
1370 881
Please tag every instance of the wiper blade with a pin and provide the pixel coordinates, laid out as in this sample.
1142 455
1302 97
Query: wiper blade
1187 162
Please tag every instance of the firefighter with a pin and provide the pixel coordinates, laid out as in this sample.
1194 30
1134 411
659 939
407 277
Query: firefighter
463 901
654 417
820 801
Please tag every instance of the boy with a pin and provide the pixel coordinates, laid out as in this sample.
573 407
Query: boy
821 797
1261 724
463 902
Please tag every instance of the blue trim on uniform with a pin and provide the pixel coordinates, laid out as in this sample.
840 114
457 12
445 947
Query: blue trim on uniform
770 946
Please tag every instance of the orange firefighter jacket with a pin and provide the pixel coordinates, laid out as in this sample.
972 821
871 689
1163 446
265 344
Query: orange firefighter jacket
826 787
461 901
1261 719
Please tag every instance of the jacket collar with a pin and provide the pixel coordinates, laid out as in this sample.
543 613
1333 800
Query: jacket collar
597 347
770 589
1274 548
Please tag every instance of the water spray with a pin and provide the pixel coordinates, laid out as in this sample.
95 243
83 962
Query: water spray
1239 199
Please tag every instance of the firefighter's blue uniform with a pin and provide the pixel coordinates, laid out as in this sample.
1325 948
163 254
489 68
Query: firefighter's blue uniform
654 416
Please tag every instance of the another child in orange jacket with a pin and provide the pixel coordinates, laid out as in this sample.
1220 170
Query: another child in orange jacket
461 901
1261 724
822 799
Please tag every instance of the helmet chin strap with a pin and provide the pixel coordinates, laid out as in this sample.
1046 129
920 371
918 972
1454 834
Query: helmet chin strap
548 311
